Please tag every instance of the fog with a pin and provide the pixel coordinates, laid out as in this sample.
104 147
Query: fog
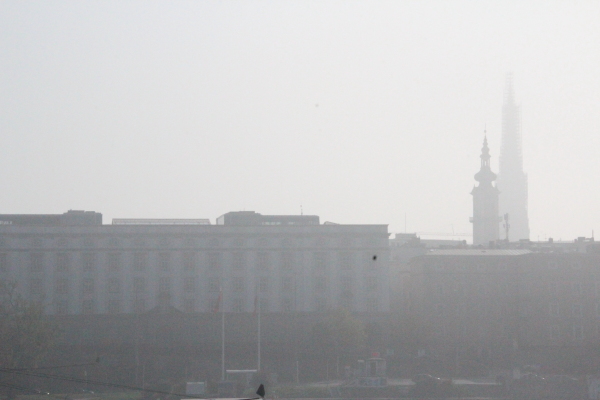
212 144
360 112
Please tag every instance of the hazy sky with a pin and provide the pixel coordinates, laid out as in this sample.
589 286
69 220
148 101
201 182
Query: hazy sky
361 112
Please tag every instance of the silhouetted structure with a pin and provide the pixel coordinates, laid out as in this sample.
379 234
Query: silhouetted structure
485 202
512 181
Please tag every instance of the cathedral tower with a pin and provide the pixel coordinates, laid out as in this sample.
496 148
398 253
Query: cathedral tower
485 202
512 181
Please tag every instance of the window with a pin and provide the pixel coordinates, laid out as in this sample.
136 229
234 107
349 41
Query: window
140 261
439 288
37 263
288 305
264 305
139 284
214 284
345 261
346 241
189 305
320 304
554 332
554 310
372 304
262 261
239 261
36 286
189 285
189 262
62 307
371 283
113 286
88 262
320 262
164 260
3 263
87 306
87 286
439 310
164 285
214 261
263 284
62 286
320 284
237 305
139 305
578 333
287 262
237 284
287 284
114 262
114 306
62 263
346 283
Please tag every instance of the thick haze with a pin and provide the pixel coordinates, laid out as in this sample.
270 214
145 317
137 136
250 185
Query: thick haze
358 111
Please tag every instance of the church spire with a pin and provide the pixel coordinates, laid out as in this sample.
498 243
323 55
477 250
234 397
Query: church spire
485 201
485 174
512 180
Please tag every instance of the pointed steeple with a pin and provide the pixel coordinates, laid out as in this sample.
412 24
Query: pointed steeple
512 180
485 174
485 201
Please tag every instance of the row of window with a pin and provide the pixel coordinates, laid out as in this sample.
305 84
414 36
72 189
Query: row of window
189 260
551 289
164 242
190 284
140 305
554 309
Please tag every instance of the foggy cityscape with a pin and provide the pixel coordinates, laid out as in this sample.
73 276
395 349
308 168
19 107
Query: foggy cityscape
299 200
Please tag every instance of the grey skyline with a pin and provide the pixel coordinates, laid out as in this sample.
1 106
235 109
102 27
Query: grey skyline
360 112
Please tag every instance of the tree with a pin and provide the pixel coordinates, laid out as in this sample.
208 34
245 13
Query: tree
25 334
339 338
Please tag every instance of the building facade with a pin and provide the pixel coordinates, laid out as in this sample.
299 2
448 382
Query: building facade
512 181
502 301
73 264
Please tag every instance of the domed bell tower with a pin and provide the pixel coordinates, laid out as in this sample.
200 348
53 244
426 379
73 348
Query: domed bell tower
486 224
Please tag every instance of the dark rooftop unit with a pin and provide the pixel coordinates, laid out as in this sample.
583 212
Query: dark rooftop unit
70 218
254 218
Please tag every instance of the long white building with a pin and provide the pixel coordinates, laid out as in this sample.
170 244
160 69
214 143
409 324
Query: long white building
74 264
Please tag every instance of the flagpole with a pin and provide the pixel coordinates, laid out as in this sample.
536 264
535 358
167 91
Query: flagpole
258 298
222 339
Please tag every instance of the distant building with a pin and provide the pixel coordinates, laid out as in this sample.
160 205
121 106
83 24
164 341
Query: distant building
496 302
485 202
512 181
73 264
